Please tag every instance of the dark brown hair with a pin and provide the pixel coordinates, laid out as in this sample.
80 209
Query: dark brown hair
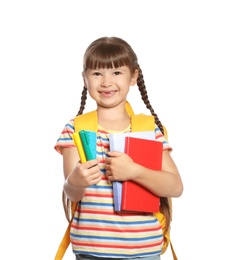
114 52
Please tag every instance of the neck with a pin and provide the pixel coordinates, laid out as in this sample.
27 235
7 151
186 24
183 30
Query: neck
115 119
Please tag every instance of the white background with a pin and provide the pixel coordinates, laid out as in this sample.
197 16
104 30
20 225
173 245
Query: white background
187 52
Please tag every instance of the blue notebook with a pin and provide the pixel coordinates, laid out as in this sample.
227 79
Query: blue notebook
117 143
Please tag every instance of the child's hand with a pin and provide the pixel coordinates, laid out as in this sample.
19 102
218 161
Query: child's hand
119 166
87 174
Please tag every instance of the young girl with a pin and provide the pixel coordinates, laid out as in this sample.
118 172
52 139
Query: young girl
110 68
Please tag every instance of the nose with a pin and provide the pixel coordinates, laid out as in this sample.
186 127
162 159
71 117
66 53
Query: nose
106 81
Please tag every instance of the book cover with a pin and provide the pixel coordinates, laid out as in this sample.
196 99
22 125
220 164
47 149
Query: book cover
147 153
117 143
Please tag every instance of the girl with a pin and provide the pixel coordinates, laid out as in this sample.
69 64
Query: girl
110 68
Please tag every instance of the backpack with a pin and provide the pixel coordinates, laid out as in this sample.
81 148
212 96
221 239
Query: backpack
139 122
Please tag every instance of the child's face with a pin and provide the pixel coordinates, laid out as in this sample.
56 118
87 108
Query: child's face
109 86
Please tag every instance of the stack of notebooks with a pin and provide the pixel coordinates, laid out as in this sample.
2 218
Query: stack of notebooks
142 147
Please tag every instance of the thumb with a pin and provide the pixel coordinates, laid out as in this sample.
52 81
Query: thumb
115 154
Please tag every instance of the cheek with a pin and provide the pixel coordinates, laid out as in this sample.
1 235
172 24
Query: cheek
91 89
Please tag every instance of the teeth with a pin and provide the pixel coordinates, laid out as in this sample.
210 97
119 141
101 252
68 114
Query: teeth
109 92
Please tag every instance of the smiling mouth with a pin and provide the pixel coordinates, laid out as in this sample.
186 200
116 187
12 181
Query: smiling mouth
107 93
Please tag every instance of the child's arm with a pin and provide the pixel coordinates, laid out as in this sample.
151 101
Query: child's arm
165 183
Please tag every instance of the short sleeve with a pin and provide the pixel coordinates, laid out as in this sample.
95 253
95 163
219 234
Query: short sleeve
160 138
65 139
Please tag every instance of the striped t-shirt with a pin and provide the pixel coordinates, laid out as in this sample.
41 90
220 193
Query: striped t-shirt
96 228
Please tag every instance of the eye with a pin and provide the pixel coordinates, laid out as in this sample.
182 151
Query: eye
117 73
96 73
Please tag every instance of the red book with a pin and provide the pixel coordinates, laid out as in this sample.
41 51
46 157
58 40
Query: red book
147 153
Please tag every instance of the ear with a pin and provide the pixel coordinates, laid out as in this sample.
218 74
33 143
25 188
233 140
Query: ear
134 78
83 75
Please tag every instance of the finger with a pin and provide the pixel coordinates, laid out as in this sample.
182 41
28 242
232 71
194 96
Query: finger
92 163
115 154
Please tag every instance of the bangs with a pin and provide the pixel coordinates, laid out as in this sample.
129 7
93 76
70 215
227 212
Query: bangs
107 56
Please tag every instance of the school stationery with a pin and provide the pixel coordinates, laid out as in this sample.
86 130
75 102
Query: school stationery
147 153
117 143
78 144
85 142
89 139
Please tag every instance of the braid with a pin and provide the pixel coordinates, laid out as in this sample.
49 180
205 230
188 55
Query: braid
143 92
165 205
83 101
67 204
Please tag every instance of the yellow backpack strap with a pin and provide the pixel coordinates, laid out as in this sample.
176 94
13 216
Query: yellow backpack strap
142 122
128 108
165 132
65 242
88 121
173 252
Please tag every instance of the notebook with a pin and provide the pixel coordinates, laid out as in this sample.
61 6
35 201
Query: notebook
117 143
135 197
